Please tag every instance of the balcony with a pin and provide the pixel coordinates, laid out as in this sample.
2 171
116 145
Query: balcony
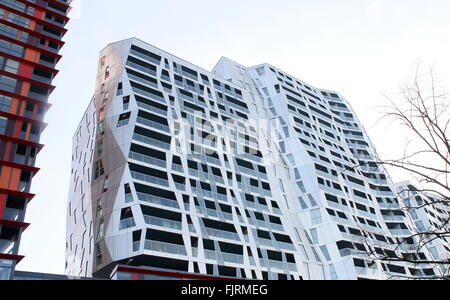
402 232
7 246
225 257
37 96
147 159
392 205
136 246
368 272
393 218
149 179
34 138
151 108
177 168
141 68
129 198
351 252
218 214
150 141
165 247
127 223
28 114
267 243
12 214
158 200
409 247
286 246
24 186
22 159
142 80
220 233
180 186
145 57
274 264
165 223
41 79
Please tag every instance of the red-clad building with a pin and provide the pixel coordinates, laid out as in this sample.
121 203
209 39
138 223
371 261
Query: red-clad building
31 33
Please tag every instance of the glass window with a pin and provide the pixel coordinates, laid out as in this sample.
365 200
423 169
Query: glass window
101 229
8 83
282 186
302 203
5 273
98 169
19 20
291 159
119 89
316 217
8 31
99 208
434 252
24 36
325 253
126 102
314 236
101 127
420 226
124 119
3 123
5 269
105 184
99 147
11 48
333 274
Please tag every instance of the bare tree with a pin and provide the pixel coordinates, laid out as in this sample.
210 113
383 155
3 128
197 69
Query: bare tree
422 109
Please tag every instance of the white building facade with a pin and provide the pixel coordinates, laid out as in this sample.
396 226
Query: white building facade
240 172
430 213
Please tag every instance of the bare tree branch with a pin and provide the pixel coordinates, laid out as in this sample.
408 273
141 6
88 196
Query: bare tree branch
424 112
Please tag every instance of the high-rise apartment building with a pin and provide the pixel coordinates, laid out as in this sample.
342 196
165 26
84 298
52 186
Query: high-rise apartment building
240 172
30 40
430 213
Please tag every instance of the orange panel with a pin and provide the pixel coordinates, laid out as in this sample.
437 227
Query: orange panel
31 55
18 129
14 181
32 25
21 108
27 136
25 88
25 70
7 149
39 13
14 105
5 177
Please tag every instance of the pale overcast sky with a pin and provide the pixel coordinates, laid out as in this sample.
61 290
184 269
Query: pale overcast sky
361 48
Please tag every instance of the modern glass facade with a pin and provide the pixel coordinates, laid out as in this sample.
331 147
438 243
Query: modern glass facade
30 40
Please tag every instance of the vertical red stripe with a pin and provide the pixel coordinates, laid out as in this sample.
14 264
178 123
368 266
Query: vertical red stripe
25 70
38 13
7 150
17 128
2 204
